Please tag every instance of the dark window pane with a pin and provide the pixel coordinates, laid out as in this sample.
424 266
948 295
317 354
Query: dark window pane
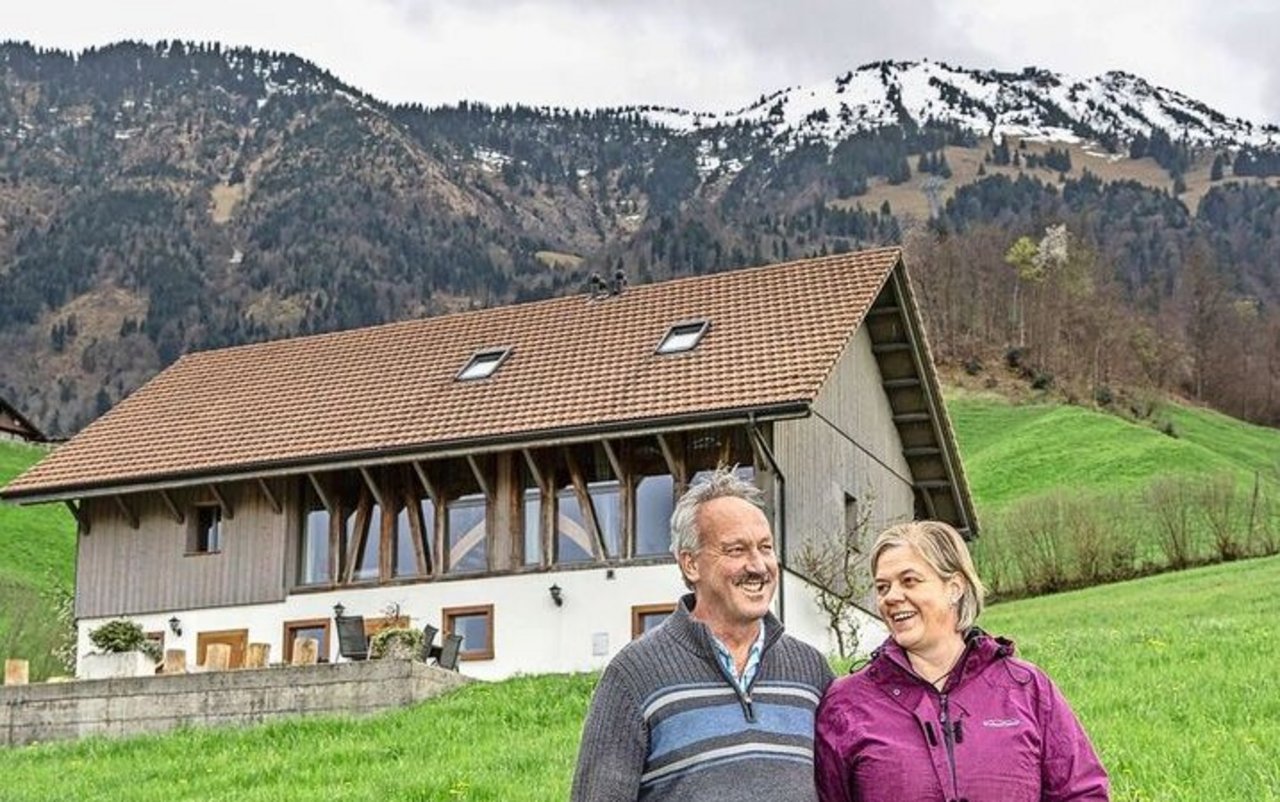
467 539
406 563
606 498
655 501
573 538
367 564
650 621
208 529
532 526
315 547
474 629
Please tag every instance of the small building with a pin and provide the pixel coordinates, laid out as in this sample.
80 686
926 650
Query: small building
504 474
13 426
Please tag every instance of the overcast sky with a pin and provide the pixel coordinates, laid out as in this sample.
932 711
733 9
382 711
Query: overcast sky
707 55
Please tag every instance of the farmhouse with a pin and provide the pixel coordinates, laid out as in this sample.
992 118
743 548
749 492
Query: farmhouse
504 474
13 426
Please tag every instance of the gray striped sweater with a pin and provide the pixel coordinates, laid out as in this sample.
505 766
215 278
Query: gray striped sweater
666 723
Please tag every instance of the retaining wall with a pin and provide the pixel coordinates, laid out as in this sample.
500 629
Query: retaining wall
120 707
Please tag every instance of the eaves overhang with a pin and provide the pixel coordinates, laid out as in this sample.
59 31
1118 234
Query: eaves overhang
745 416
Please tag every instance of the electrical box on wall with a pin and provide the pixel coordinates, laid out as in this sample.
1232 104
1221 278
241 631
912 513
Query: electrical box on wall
599 644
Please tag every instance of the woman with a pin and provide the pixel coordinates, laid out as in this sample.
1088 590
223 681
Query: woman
944 711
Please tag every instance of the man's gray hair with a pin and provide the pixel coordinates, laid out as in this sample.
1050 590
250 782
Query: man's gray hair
724 482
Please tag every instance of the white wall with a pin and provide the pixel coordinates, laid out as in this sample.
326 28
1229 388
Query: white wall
806 621
531 634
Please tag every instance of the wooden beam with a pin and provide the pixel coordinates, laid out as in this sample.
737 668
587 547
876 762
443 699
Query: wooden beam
912 417
361 532
227 512
373 487
614 462
177 514
890 348
880 311
921 451
675 466
427 484
538 475
325 498
77 512
276 507
486 486
928 501
414 510
584 501
898 384
126 511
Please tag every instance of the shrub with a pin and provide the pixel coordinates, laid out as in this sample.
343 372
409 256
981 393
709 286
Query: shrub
1218 505
1171 501
1102 396
1015 356
120 635
396 642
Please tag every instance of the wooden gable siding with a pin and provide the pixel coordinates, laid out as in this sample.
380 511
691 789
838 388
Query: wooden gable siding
825 455
125 571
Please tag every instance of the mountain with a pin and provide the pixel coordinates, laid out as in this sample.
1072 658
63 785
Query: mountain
160 198
1114 108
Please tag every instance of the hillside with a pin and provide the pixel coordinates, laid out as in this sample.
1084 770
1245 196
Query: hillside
1015 451
165 198
1134 659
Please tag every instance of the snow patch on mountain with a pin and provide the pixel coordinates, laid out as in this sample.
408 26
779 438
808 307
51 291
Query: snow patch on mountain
1113 108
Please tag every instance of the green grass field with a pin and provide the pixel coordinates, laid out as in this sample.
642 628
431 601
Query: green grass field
1173 676
37 552
1012 452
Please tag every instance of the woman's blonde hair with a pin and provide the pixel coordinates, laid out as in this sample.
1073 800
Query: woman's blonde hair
946 553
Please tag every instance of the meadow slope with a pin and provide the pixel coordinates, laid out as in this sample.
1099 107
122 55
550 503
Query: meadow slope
37 554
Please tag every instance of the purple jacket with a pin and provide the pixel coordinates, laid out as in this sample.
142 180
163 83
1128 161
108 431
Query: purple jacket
998 732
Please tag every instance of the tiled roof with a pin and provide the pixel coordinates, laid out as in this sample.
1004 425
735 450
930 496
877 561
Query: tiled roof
576 362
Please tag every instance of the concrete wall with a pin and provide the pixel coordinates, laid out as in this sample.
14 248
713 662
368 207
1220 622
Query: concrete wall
120 707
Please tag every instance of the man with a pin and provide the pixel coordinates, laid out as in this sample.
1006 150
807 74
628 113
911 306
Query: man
717 702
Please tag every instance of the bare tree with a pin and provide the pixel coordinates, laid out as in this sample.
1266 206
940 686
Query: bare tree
838 570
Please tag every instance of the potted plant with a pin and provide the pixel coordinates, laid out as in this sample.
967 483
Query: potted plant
124 651
397 643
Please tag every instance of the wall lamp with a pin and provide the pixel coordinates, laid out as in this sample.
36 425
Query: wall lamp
338 610
175 626
557 595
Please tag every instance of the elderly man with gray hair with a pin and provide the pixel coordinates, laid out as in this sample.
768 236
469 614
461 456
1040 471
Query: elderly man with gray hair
717 700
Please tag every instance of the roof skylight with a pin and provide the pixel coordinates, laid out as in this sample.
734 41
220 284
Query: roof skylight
683 337
483 364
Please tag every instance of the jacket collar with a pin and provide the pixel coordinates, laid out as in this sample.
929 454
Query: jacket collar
981 650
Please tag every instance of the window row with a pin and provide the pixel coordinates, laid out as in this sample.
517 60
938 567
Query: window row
600 502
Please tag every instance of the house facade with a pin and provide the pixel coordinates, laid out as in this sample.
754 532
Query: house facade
506 474
15 427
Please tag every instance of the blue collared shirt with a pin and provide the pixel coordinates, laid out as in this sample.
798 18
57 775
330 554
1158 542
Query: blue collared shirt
753 660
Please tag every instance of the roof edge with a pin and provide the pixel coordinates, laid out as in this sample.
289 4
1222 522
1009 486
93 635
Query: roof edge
444 449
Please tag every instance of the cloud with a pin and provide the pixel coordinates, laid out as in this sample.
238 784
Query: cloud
712 55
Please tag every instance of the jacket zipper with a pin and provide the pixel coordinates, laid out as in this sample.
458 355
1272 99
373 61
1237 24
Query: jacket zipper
948 739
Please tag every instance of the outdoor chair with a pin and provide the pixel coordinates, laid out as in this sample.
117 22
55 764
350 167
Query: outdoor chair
353 644
429 648
449 652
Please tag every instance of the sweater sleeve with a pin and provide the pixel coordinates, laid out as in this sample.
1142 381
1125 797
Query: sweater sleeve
614 744
1069 770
